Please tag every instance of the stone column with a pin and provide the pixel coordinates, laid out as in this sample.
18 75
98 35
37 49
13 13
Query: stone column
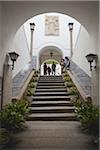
32 26
95 85
6 90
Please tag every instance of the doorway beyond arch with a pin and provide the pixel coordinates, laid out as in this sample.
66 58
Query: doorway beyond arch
49 63
50 52
49 55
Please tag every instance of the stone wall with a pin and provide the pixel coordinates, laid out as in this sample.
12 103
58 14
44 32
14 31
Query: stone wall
18 82
82 78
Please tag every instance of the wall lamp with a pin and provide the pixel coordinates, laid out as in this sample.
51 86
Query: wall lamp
70 26
91 58
51 54
13 57
32 26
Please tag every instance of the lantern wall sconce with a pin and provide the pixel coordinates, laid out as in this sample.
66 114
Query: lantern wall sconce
32 26
70 26
13 56
92 59
51 54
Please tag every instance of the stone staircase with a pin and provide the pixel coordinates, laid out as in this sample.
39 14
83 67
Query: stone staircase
51 101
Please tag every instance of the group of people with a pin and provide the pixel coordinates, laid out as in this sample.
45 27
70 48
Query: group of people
65 65
48 70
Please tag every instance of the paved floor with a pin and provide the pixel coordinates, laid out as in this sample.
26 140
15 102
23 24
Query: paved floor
53 135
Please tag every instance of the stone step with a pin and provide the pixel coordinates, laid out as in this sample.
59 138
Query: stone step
51 90
47 98
52 117
51 103
52 109
51 93
54 77
50 87
50 84
50 81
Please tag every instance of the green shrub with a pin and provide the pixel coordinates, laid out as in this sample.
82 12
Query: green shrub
67 79
4 137
34 79
13 116
73 91
20 106
30 92
36 72
31 85
65 74
88 115
69 84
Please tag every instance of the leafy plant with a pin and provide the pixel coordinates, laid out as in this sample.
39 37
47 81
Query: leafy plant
13 116
34 79
88 115
70 84
73 91
4 137
30 91
20 106
36 72
65 74
67 79
31 85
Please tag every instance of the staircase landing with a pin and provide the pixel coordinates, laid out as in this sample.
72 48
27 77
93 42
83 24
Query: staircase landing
53 135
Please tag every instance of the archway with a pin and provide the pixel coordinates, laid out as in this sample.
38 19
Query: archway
49 63
49 55
50 52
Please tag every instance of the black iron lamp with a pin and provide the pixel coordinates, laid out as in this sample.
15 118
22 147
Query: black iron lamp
13 57
51 54
91 58
32 26
70 26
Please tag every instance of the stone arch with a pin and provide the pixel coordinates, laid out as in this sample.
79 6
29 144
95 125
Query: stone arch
50 52
19 12
36 8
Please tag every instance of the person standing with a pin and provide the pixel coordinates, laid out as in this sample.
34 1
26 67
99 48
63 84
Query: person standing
53 68
62 65
45 69
49 70
67 63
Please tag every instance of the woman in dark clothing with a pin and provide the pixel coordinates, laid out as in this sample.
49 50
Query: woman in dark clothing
49 70
62 65
45 69
67 63
53 68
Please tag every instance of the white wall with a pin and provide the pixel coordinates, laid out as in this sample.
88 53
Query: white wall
20 45
62 41
81 49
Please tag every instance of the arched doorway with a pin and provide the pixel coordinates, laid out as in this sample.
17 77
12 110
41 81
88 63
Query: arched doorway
50 52
49 55
49 63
